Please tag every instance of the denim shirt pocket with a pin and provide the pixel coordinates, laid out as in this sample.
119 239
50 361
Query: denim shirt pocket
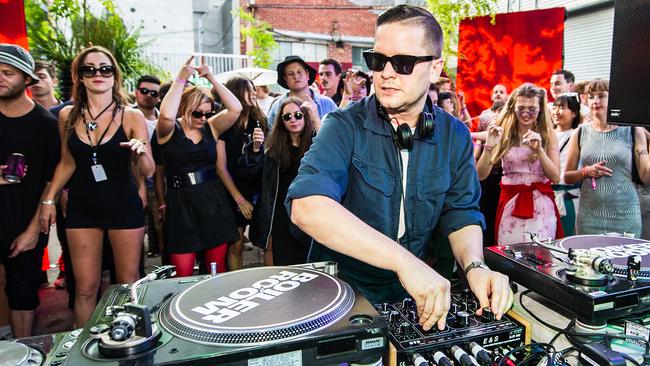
375 175
431 190
369 197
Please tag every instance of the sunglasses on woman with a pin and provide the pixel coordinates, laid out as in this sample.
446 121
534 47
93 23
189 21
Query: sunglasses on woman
199 114
402 64
287 116
105 71
145 91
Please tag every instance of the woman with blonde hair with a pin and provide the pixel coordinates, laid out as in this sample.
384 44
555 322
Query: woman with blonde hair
101 138
524 141
197 216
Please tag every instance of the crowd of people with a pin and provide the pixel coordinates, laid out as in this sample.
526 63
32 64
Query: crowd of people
201 170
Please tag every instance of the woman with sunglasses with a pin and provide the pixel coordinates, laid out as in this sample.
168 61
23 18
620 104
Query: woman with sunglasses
609 156
566 117
523 140
251 126
197 215
277 167
101 139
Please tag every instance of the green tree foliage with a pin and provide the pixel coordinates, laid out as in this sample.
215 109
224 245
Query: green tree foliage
263 43
449 13
58 29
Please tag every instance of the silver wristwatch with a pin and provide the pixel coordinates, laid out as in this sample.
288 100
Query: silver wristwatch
476 264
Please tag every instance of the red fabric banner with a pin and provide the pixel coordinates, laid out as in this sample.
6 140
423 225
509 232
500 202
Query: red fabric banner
12 22
520 47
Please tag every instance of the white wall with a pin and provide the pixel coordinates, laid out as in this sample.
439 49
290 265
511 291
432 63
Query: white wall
167 23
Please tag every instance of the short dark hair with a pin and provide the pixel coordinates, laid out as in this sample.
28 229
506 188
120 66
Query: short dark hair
49 67
333 62
419 16
147 79
573 103
568 75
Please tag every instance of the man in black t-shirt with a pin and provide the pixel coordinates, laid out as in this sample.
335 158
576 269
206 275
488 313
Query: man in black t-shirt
30 130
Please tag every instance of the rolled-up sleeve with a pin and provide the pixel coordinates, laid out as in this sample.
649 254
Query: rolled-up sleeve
324 168
461 206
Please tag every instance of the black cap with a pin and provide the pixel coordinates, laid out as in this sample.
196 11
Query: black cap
291 59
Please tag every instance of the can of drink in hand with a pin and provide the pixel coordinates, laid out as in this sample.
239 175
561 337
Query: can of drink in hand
213 268
15 170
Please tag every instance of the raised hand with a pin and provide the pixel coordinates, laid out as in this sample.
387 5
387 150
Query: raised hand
494 135
258 139
187 70
138 146
203 70
310 107
533 140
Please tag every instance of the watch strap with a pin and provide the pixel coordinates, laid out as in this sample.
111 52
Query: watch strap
476 264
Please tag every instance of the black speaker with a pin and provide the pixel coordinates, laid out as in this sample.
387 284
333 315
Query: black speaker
629 78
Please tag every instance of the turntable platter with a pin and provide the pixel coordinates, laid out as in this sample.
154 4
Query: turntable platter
18 354
615 248
257 306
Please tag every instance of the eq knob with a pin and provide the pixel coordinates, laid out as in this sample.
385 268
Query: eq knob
407 303
403 328
454 308
488 315
393 317
384 307
462 319
413 316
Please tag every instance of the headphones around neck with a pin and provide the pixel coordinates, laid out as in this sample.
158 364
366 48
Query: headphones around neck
403 136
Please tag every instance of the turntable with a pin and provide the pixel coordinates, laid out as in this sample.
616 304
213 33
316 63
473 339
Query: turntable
598 277
257 316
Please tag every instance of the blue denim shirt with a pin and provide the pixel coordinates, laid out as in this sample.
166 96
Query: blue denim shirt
354 161
324 103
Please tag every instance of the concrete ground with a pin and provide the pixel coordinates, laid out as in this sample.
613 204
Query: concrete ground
53 315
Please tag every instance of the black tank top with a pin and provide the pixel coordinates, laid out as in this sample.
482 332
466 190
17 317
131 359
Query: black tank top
113 203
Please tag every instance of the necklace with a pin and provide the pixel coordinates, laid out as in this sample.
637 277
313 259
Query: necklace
92 124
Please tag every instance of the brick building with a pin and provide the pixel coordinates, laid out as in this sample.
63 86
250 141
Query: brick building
319 29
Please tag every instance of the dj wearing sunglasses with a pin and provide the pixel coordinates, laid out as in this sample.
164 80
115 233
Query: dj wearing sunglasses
375 200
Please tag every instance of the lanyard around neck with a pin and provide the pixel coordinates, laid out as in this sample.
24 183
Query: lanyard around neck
96 147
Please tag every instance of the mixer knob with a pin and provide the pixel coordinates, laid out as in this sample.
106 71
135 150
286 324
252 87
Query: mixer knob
384 307
407 303
472 305
462 319
413 316
488 315
403 328
393 317
454 308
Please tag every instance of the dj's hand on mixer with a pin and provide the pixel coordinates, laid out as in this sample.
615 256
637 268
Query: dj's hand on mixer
466 337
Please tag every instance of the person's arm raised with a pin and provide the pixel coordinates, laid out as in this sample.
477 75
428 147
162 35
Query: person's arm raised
223 120
169 105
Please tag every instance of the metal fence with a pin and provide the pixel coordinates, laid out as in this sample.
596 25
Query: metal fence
172 62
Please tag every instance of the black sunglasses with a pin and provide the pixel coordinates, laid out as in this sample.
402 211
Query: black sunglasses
402 64
287 116
199 114
145 91
89 71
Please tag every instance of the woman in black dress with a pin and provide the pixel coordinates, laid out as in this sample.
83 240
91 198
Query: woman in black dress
243 191
288 142
198 217
101 139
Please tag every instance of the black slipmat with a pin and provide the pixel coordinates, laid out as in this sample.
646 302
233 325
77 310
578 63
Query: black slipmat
295 316
541 270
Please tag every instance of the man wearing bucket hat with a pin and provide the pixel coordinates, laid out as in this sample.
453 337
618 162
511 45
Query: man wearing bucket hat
29 131
296 75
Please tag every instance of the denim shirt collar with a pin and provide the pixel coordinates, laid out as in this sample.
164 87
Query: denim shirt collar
375 124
